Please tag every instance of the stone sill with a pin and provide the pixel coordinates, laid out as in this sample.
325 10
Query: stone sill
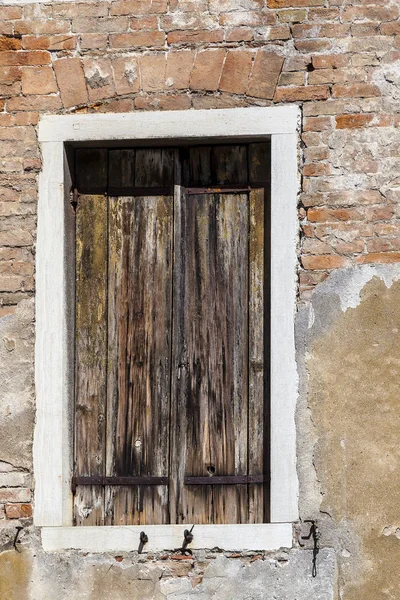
262 536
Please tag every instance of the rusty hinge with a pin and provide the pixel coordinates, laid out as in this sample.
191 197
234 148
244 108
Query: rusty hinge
128 481
224 479
74 198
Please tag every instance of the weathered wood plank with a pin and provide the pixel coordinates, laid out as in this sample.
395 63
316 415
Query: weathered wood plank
91 344
257 396
154 167
229 164
121 171
209 384
140 277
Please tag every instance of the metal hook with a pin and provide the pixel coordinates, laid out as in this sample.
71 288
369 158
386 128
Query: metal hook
187 539
19 529
314 532
143 540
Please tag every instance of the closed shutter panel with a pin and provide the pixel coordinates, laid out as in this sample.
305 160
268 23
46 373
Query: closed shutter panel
175 341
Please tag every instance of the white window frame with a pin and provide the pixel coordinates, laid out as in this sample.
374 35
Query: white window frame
54 364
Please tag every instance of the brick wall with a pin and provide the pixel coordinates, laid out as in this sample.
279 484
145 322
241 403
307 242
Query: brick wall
340 61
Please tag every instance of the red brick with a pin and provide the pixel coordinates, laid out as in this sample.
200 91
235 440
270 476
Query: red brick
356 90
46 26
9 43
126 75
320 31
315 169
48 42
299 94
378 257
265 74
379 213
164 102
137 39
352 121
138 7
100 25
317 215
207 70
23 57
293 3
33 103
18 511
236 71
323 14
280 32
317 123
152 72
9 74
179 67
239 34
143 23
313 46
330 61
10 13
38 80
14 494
91 41
71 81
392 28
324 261
370 13
196 37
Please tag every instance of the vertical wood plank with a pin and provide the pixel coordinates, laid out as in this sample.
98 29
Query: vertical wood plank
140 265
257 399
209 384
91 345
121 171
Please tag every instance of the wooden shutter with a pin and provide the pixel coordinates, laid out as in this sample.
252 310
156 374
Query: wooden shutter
171 380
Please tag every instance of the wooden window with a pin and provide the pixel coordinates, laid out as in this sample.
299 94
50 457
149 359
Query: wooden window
172 336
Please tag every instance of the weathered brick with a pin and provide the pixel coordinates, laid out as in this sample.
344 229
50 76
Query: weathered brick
10 13
292 78
47 26
317 123
292 15
188 21
22 57
138 7
179 67
118 105
378 257
143 23
297 94
265 74
236 71
38 80
207 70
152 72
352 121
323 14
79 9
137 39
126 75
165 102
237 19
293 3
48 42
196 37
218 6
14 494
361 90
100 25
316 215
320 31
71 81
35 103
9 43
239 34
330 61
325 261
315 169
18 511
91 41
370 13
99 78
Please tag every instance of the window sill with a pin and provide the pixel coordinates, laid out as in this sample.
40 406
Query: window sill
263 536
